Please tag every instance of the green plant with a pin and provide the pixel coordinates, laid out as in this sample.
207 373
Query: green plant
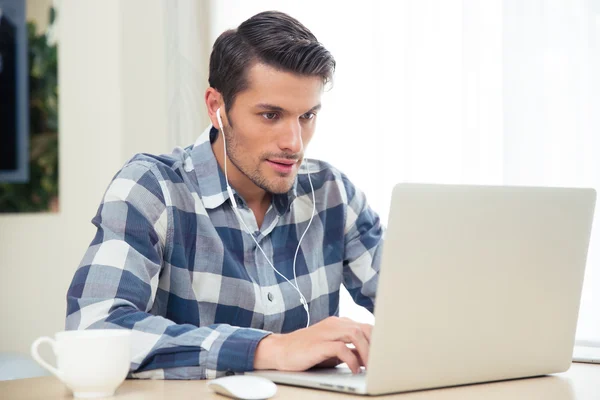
40 193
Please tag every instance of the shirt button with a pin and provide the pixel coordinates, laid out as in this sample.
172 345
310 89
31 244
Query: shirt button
270 296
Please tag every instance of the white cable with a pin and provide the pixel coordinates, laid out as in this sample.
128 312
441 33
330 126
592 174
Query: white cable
239 217
312 215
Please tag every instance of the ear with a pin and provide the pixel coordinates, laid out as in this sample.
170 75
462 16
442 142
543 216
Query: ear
214 100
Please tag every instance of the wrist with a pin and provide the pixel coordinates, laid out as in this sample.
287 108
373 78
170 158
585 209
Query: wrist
266 354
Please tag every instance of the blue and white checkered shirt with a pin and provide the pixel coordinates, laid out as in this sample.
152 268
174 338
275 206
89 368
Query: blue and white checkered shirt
171 262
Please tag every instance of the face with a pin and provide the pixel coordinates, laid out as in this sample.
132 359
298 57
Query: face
270 125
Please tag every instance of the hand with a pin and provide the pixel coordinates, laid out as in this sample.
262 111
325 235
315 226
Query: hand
334 361
323 344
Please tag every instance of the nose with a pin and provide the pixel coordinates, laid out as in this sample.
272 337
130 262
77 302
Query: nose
290 139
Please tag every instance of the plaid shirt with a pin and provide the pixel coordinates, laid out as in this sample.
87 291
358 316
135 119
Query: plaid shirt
171 262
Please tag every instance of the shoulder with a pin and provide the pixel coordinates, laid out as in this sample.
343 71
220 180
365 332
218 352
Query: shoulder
164 165
148 173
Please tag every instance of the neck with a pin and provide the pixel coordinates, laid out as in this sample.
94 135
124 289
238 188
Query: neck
253 195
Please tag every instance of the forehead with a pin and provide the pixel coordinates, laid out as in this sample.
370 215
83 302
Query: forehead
288 90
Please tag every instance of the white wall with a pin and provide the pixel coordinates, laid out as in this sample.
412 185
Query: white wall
188 46
112 93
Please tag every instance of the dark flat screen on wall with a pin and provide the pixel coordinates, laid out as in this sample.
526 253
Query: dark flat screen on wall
14 133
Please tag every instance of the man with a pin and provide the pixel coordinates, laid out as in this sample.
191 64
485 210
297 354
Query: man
209 284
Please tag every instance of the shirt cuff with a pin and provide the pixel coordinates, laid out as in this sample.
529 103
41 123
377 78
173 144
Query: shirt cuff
236 351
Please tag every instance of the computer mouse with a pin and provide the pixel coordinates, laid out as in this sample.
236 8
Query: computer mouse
244 387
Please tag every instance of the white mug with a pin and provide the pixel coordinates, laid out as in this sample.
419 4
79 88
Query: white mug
92 363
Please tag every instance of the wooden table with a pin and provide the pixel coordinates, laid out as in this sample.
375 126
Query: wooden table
581 382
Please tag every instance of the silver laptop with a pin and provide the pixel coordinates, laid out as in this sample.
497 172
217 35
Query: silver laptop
478 284
587 352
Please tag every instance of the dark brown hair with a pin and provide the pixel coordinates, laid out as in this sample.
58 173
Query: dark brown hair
272 38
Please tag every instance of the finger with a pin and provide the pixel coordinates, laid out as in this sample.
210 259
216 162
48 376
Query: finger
356 336
337 351
336 328
341 351
357 354
329 363
367 330
344 329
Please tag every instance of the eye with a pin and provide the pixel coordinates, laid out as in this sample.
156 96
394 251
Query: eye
309 115
270 115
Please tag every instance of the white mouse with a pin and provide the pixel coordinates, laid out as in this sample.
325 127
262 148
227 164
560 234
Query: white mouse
244 387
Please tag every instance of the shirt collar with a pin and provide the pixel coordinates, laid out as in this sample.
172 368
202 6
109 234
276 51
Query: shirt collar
213 187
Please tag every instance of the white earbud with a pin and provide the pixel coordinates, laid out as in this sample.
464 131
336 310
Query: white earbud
220 121
239 217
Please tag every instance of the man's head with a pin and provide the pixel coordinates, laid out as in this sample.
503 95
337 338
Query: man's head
267 76
271 38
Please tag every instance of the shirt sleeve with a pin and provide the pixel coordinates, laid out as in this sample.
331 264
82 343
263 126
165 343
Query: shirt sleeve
363 239
116 283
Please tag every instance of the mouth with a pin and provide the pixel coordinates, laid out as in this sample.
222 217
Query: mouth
282 166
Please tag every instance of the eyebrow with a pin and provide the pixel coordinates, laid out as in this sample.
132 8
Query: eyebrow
272 107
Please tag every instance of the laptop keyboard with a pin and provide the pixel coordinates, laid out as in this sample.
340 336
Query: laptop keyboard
339 375
340 378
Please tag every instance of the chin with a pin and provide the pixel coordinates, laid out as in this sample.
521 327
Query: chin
281 187
272 182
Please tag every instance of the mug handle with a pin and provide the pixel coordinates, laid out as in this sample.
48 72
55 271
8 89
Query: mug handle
36 356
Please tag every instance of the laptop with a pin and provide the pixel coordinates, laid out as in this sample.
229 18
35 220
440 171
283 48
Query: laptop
587 352
477 284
